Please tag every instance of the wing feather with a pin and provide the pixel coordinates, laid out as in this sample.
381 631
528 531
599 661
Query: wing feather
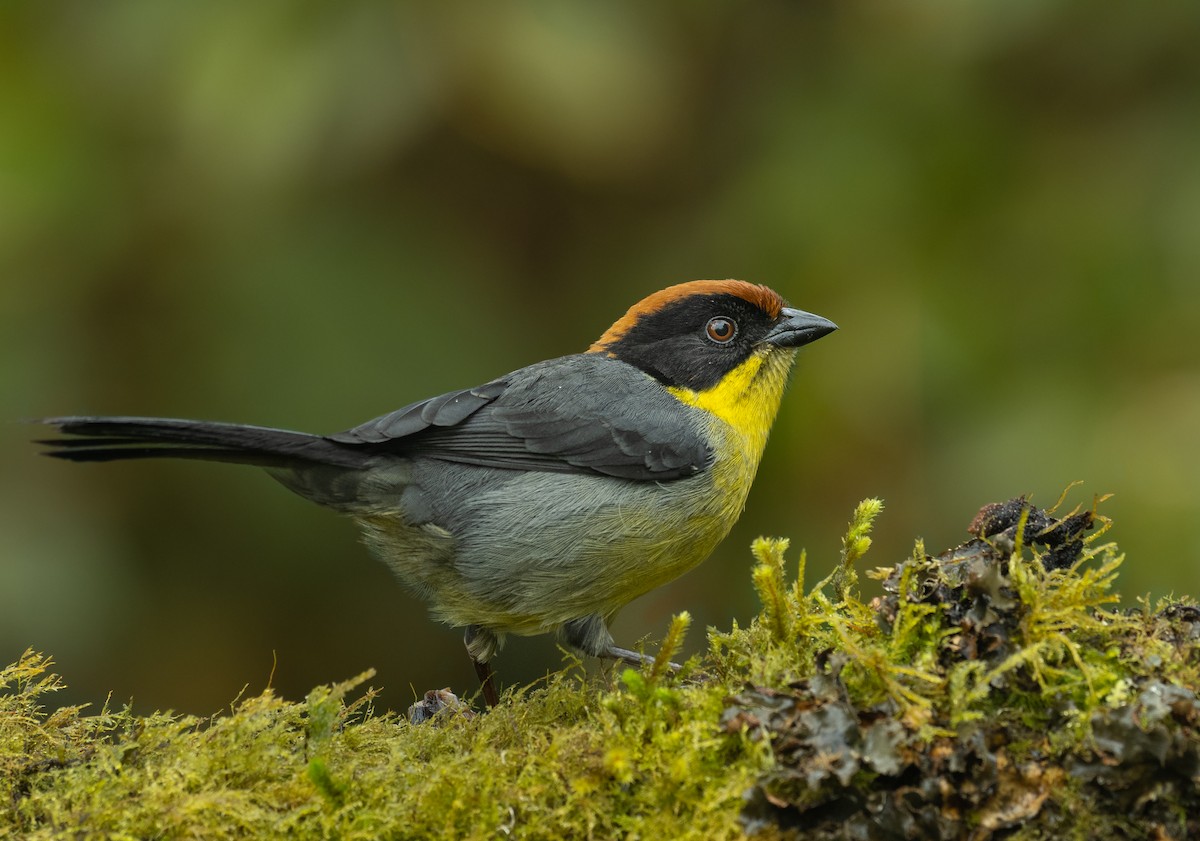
579 414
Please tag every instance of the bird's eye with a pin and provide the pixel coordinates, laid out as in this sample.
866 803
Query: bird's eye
721 330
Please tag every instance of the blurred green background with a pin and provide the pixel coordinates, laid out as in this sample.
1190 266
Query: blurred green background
307 214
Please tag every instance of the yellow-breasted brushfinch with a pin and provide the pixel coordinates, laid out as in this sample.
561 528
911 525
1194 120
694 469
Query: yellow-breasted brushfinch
547 499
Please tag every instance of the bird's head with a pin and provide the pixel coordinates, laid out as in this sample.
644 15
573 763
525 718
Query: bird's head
692 335
723 345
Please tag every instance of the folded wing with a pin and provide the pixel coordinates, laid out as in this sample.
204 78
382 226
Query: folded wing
576 414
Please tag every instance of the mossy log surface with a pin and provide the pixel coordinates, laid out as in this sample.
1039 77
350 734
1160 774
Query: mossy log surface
993 691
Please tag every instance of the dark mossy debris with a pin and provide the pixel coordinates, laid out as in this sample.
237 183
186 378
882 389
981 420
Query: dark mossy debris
1030 707
994 691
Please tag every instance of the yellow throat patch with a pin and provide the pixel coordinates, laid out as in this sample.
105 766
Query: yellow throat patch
748 397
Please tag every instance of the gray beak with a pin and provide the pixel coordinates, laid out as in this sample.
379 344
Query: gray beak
794 328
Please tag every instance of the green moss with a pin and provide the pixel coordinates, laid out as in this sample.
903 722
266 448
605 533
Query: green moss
992 689
566 759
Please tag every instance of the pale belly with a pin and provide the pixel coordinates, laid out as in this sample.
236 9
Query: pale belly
525 552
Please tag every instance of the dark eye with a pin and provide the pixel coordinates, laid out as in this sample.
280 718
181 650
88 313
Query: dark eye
721 330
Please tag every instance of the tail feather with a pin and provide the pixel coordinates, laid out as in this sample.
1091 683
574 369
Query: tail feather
114 438
122 453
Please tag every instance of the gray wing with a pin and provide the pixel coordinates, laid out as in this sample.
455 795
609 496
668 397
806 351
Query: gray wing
577 414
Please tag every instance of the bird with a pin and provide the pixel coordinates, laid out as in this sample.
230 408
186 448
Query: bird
546 499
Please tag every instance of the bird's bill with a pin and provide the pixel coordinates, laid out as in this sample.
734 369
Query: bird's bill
795 328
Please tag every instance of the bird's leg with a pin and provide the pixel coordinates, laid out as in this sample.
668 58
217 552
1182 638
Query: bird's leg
591 636
487 681
482 645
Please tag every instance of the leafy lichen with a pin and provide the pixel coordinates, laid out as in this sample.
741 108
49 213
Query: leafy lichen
994 690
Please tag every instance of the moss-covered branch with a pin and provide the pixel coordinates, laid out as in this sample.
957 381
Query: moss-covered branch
992 690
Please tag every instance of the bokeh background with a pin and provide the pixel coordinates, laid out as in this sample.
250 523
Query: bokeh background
307 214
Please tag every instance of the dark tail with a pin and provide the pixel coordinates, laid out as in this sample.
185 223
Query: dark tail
113 438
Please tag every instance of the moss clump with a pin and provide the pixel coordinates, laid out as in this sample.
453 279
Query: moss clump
982 695
992 691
